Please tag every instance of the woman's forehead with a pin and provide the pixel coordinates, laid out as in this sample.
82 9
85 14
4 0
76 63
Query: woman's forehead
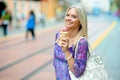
72 10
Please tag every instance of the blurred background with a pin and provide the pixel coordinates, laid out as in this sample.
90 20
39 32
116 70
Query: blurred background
53 10
25 58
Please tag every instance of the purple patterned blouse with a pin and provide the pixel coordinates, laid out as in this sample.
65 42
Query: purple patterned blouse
61 65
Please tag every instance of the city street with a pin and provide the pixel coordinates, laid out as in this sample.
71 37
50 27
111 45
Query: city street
22 59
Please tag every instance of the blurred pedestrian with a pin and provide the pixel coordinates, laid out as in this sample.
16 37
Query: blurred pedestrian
31 25
6 21
65 59
2 7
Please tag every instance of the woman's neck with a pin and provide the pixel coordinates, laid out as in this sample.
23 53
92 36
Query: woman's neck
73 33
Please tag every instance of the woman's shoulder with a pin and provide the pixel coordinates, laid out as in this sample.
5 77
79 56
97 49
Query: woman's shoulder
83 40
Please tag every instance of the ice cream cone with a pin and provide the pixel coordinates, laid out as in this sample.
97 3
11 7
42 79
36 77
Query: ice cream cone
64 32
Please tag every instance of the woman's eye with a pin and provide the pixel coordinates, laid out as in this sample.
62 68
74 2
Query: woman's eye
67 14
74 16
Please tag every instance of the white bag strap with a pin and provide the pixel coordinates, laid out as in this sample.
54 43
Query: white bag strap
91 51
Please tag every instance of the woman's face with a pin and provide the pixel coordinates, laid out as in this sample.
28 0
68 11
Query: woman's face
71 19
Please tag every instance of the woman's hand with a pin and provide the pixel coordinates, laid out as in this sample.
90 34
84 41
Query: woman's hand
64 43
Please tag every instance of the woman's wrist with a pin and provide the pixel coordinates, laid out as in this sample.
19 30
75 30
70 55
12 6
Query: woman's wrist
68 55
67 58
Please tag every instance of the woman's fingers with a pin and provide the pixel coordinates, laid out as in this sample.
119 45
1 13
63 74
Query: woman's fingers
64 42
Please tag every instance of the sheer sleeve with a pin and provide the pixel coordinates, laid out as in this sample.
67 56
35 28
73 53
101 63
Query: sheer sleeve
81 57
58 53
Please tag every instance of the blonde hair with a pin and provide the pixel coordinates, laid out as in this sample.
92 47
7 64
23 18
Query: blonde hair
83 22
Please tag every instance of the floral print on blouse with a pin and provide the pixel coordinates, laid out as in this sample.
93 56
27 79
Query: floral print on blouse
61 65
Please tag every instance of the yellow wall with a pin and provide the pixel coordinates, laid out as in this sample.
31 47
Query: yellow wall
48 7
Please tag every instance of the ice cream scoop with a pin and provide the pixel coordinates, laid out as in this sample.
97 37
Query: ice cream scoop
64 32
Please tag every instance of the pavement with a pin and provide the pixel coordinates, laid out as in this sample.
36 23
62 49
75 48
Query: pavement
109 49
28 60
32 59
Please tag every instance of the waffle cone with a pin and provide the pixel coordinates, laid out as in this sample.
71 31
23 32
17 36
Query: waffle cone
63 34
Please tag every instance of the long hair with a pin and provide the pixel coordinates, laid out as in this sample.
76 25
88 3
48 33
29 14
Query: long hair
83 22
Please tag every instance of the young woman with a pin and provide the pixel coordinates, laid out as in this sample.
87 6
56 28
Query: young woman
65 59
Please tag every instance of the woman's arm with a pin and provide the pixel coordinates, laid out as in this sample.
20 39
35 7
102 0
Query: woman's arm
81 57
58 50
77 65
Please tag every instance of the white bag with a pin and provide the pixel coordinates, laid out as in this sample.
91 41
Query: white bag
94 69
